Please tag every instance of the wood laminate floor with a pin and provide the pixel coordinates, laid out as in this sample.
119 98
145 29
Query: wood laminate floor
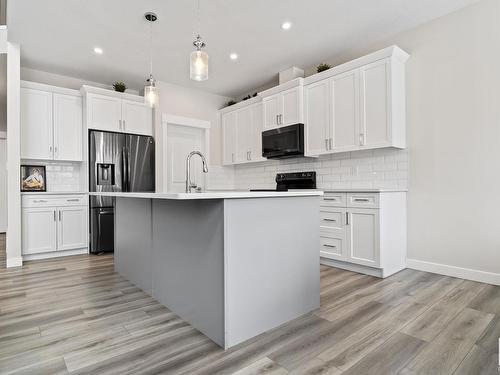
76 315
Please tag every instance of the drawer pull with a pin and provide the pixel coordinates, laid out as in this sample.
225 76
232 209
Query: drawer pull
73 200
330 220
39 201
330 199
361 200
333 246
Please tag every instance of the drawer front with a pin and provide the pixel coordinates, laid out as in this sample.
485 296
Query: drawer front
332 248
54 200
362 200
334 200
332 221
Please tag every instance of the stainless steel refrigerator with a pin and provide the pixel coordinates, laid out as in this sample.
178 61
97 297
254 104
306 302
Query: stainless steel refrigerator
117 163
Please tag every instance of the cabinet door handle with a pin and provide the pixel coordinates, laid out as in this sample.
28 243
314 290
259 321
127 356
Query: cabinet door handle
332 246
361 200
277 120
249 155
120 124
361 139
347 218
281 119
331 143
330 220
59 215
50 149
232 157
124 125
55 218
326 144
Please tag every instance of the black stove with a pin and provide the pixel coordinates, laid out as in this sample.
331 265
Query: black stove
295 180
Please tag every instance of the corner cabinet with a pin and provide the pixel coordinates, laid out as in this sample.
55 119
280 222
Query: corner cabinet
242 133
54 225
51 123
358 105
364 231
117 112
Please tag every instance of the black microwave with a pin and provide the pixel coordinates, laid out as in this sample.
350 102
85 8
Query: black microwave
285 142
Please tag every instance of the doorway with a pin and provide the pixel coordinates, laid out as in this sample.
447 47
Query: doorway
181 135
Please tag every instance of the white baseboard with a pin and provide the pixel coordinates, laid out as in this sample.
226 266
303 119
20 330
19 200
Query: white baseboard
55 254
14 262
352 267
463 273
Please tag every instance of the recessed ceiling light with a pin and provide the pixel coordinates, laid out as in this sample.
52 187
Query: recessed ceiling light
233 56
286 25
98 50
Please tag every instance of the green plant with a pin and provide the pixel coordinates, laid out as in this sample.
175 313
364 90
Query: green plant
231 102
322 67
120 86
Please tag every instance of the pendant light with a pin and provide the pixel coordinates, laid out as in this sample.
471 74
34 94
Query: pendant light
151 95
198 67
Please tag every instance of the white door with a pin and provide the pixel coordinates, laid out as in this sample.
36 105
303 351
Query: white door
345 111
256 133
363 237
375 111
317 112
333 233
3 185
104 113
229 137
39 230
243 134
272 108
36 124
67 127
181 140
72 228
137 118
291 106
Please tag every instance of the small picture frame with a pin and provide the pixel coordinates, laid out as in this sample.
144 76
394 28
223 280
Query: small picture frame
33 178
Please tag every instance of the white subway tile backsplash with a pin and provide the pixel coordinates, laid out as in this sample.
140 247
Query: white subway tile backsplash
61 176
381 168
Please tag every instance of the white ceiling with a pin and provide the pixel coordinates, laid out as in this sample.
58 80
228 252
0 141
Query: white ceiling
59 36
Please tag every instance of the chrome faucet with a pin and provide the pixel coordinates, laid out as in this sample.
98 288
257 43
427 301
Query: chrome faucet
189 184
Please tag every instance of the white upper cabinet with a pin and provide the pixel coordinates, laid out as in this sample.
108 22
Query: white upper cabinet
67 127
255 138
271 111
229 137
375 105
291 106
104 112
345 92
137 118
282 105
36 124
317 116
242 133
117 112
366 103
51 123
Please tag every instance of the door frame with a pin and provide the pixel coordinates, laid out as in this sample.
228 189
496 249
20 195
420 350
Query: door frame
169 119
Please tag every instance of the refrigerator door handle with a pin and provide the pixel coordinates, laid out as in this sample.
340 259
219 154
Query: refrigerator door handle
124 169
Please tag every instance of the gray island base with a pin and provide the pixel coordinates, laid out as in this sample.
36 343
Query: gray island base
232 266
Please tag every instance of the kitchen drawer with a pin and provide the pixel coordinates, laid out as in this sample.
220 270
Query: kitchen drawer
333 199
363 200
331 219
54 200
332 248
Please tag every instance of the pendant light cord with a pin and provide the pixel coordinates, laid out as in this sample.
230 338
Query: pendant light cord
151 50
198 23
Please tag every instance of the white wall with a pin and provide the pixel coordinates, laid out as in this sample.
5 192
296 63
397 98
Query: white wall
187 102
453 119
3 182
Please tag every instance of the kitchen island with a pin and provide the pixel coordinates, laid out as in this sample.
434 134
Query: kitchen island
232 264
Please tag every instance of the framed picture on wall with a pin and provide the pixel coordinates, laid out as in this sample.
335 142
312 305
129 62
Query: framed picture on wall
33 178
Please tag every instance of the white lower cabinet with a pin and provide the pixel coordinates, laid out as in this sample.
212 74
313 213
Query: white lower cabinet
364 232
39 230
54 224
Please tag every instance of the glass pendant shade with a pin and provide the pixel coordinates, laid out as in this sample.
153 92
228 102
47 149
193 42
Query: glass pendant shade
151 95
198 65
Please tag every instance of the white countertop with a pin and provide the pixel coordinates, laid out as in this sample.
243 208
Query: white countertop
53 192
223 194
369 190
